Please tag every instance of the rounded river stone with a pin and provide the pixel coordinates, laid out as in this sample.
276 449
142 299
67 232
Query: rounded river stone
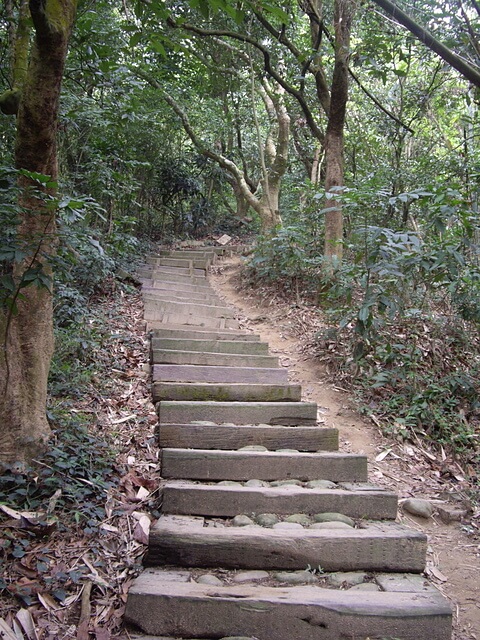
301 518
349 578
295 577
266 519
250 576
256 483
330 525
418 507
333 517
287 525
321 484
242 521
209 578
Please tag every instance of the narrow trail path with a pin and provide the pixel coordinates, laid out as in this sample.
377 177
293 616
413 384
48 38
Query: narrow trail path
267 530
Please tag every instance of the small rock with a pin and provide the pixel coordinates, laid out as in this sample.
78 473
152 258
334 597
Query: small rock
349 578
321 484
418 507
287 525
300 518
253 447
256 483
330 525
451 514
333 517
209 578
286 483
242 521
266 519
365 586
229 483
287 451
295 577
250 576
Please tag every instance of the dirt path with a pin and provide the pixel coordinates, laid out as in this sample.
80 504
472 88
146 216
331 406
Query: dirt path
453 561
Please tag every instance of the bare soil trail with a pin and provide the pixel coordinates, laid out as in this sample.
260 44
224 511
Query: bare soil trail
410 469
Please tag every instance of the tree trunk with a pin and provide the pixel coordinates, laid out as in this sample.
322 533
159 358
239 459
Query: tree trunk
334 139
28 334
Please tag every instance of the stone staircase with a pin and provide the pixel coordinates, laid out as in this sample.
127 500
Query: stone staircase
266 531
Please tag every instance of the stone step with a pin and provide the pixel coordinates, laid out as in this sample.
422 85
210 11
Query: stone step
195 541
171 285
227 437
161 603
159 274
211 465
286 413
183 262
181 271
212 373
246 347
203 334
150 293
172 356
203 310
189 254
214 500
168 318
232 392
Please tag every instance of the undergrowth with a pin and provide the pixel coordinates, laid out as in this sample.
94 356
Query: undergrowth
401 324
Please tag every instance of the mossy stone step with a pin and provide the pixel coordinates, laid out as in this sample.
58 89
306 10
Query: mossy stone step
212 436
205 310
173 356
212 346
225 392
202 464
227 501
214 373
287 413
178 331
191 610
378 546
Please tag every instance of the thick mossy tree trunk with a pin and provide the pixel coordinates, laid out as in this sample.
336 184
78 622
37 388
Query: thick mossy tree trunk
27 334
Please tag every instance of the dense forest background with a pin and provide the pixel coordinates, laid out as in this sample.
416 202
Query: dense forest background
336 140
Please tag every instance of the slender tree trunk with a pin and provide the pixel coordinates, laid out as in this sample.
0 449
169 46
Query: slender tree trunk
334 138
27 335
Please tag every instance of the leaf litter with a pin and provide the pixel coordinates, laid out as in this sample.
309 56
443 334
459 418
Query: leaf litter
66 565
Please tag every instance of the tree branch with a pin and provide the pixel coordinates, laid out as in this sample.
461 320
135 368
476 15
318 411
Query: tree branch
267 65
464 68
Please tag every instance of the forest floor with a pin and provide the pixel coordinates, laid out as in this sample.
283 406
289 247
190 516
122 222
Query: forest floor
66 574
410 469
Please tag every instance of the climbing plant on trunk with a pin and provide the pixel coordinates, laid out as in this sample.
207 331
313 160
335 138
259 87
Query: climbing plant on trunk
26 317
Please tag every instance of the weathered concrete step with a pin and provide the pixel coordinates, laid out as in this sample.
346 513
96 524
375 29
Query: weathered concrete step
150 293
168 318
204 310
286 413
246 347
158 274
167 284
378 546
212 373
186 498
191 610
202 464
172 356
211 436
182 271
233 392
203 334
180 262
191 254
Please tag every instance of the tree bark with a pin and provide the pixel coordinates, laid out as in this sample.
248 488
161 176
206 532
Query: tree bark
334 137
27 335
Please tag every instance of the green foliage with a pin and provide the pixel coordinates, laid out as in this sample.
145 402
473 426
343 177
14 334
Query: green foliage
77 463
